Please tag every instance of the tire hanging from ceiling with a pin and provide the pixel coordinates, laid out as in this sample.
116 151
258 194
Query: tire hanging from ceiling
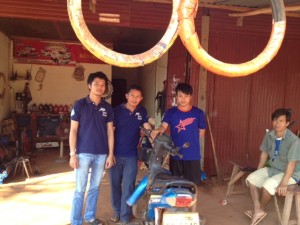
187 12
118 59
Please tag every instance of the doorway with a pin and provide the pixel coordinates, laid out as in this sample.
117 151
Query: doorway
118 96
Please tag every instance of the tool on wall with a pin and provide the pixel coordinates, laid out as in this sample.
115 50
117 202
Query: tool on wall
28 96
39 77
161 100
2 85
219 175
79 73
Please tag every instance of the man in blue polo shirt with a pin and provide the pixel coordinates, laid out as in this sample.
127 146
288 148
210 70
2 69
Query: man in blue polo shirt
91 146
128 117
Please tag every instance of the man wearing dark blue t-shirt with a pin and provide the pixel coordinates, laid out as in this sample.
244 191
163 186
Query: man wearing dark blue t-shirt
128 117
187 124
91 146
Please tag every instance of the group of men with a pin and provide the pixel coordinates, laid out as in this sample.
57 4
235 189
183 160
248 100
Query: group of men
105 138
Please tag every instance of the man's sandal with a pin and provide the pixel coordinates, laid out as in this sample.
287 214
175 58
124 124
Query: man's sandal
249 213
257 218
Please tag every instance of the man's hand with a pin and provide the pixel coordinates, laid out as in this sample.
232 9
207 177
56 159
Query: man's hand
110 161
282 187
73 162
155 132
160 130
281 190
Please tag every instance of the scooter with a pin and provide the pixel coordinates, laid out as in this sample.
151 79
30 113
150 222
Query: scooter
160 198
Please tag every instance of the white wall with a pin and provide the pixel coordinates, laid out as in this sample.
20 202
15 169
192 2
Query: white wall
151 79
58 86
4 68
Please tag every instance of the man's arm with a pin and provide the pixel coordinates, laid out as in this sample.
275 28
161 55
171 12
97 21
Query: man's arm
202 132
72 142
263 159
282 187
147 126
110 161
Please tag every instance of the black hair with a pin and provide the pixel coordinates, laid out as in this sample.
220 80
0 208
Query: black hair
184 88
99 75
134 87
282 112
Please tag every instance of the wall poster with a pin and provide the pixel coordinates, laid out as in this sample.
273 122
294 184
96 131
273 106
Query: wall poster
34 51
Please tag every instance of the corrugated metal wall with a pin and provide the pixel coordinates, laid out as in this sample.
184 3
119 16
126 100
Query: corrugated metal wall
240 109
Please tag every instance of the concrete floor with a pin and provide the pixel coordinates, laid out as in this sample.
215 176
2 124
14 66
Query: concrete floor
46 199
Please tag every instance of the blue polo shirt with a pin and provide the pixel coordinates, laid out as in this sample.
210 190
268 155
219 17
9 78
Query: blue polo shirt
127 131
184 127
92 130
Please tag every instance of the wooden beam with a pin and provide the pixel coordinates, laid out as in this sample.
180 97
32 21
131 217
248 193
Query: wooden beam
203 5
266 11
296 15
245 11
155 1
224 7
203 77
203 71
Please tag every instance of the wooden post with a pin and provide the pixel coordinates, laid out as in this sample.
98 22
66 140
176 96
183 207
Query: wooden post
203 77
220 180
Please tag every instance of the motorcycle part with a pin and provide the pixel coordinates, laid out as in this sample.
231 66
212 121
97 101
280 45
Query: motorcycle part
138 192
180 200
139 210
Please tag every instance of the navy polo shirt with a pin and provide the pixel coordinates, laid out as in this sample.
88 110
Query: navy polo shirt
127 131
92 130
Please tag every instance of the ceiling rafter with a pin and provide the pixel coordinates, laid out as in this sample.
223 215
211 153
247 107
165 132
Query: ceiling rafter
203 5
245 10
291 8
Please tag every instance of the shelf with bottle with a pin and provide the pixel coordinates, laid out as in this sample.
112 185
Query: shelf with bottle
50 108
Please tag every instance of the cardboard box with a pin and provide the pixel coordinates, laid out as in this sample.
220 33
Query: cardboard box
8 126
12 136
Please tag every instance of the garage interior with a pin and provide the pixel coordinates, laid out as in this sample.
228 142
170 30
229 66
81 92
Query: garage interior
233 31
238 109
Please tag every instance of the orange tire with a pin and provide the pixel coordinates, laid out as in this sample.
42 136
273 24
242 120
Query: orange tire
187 12
118 59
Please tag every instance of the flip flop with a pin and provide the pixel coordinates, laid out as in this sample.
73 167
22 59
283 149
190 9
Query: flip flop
257 219
249 213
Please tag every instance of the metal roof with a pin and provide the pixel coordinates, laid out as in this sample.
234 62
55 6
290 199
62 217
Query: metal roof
48 19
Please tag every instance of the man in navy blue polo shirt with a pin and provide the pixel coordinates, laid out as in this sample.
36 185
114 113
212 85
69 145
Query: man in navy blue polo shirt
91 146
128 117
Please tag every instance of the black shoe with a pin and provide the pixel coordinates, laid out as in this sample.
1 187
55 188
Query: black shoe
95 222
115 218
